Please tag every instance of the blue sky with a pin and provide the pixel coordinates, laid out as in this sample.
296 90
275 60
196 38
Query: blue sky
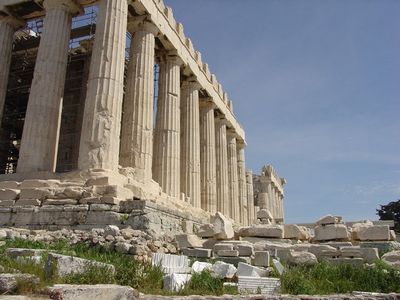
316 85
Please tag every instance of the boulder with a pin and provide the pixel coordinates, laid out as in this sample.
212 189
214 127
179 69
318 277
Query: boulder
188 241
302 258
112 230
206 231
331 232
223 270
295 232
367 232
223 227
10 282
264 230
175 282
392 258
199 266
264 214
328 219
92 292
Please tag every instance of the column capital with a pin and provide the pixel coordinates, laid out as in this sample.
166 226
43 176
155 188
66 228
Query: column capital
231 133
207 103
170 56
14 22
191 84
221 120
141 24
70 5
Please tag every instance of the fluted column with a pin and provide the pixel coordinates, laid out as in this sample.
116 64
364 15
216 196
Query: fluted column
99 145
190 142
241 169
250 197
282 209
39 143
270 198
277 204
166 158
221 155
8 25
233 177
137 121
208 169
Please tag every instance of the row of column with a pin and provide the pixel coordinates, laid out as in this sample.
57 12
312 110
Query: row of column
271 198
192 151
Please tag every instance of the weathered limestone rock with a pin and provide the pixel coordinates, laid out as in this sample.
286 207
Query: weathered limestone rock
228 253
175 282
261 258
62 265
197 252
37 193
92 292
245 249
199 266
219 247
331 232
368 232
251 271
265 215
206 231
223 270
271 231
392 258
111 230
296 232
222 227
318 249
370 255
9 282
188 241
302 258
14 185
328 219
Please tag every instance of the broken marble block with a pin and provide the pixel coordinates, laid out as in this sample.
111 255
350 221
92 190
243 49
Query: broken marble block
223 227
206 231
328 219
331 232
263 230
175 282
170 263
392 258
188 241
10 282
367 232
294 232
301 258
223 270
251 271
199 266
197 252
261 258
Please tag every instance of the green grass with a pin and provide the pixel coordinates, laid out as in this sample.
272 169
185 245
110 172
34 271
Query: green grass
325 278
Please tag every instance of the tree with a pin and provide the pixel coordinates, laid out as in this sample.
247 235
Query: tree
390 211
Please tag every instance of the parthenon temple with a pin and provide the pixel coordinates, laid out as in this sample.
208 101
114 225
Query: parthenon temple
105 101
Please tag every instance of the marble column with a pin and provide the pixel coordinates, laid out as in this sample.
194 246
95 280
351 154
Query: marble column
233 177
137 120
99 144
241 169
250 197
221 155
190 142
39 143
8 25
208 178
278 215
166 144
270 200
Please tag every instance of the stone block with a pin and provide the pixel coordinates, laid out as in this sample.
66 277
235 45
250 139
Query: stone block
223 227
337 245
60 202
302 258
116 191
187 226
103 207
263 285
251 271
392 258
90 200
278 266
103 217
331 232
5 218
235 260
80 207
10 282
328 219
62 265
345 260
264 214
228 253
24 252
14 185
381 245
9 194
245 250
48 208
111 200
6 203
261 258
198 252
37 183
223 270
36 193
24 202
372 233
188 241
317 249
271 231
206 231
295 232
219 246
175 282
92 292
